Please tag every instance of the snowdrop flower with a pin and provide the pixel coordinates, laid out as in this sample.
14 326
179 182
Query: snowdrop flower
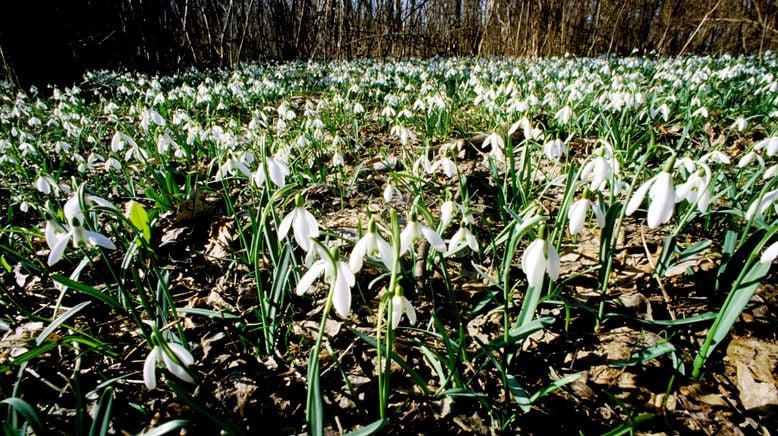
447 210
661 191
529 131
232 167
770 253
577 214
497 144
149 116
278 172
337 159
119 140
112 165
554 149
390 191
405 134
748 158
164 142
600 168
446 165
696 188
540 257
371 244
463 237
58 235
760 206
44 184
400 306
701 112
715 156
414 231
304 224
770 172
740 124
339 276
177 367
422 165
771 144
663 110
564 115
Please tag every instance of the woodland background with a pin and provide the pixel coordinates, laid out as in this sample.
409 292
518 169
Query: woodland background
56 41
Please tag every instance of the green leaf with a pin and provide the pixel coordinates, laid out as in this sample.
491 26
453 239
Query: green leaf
369 429
140 219
556 384
645 355
56 323
92 292
519 394
102 421
629 426
27 411
166 428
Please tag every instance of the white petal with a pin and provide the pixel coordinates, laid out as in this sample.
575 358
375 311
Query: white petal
358 254
387 253
446 213
533 262
397 310
73 210
181 353
98 239
341 296
278 172
637 197
310 276
770 253
409 311
58 250
286 224
176 369
662 200
552 262
577 216
150 368
409 233
598 214
433 238
472 242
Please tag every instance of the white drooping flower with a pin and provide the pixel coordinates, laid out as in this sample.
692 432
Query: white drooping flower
463 237
277 170
696 188
577 214
400 306
769 144
446 165
661 191
770 253
303 223
748 158
178 366
601 168
564 115
554 149
58 235
338 275
497 144
414 231
371 244
760 205
44 184
540 257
